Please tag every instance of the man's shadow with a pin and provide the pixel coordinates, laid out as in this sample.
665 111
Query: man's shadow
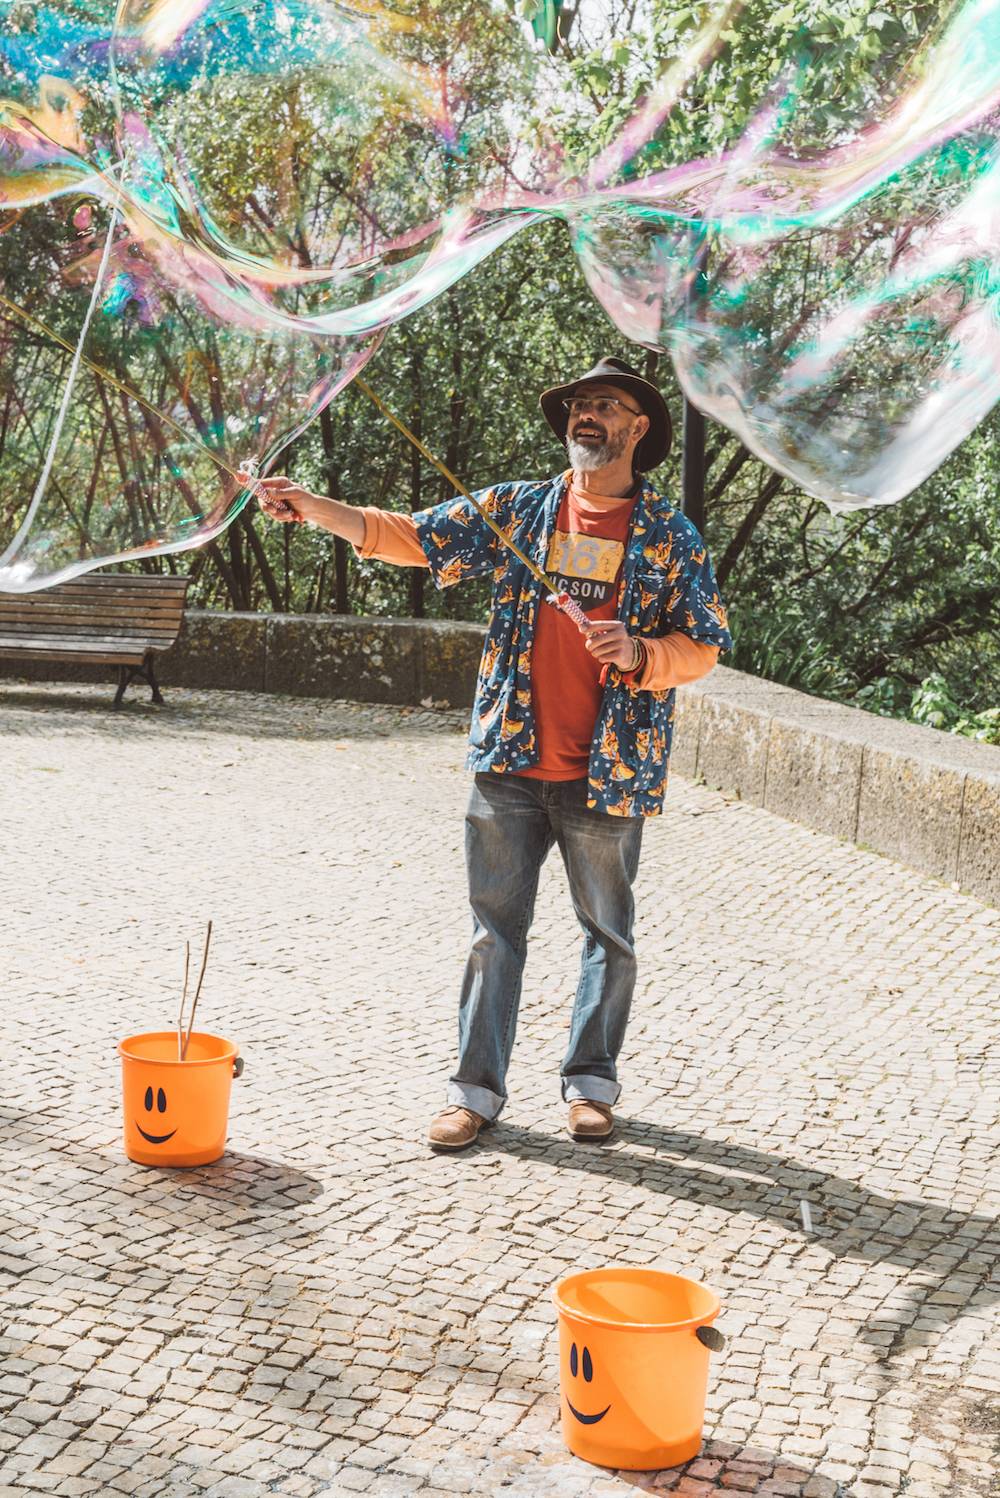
957 1254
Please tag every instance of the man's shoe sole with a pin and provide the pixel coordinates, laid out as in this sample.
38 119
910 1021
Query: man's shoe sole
590 1138
451 1149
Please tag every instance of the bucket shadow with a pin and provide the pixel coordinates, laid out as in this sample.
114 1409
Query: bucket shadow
951 1250
745 1470
249 1181
251 1197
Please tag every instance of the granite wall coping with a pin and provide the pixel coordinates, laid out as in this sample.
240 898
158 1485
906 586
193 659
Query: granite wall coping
929 799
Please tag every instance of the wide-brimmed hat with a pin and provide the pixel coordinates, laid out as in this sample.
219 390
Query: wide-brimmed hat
655 445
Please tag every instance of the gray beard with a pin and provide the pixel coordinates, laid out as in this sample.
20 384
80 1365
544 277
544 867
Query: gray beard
589 459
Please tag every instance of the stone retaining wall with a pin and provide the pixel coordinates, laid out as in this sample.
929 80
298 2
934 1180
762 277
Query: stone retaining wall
929 799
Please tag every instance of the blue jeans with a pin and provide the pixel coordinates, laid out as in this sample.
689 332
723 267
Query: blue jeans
512 823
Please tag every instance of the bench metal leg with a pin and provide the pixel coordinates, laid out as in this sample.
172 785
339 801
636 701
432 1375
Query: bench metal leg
150 676
128 674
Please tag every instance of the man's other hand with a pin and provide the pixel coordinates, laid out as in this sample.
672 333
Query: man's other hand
610 643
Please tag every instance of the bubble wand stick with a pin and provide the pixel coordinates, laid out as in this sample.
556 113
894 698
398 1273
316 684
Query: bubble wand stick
558 599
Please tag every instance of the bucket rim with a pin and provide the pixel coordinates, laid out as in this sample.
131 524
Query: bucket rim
633 1271
229 1054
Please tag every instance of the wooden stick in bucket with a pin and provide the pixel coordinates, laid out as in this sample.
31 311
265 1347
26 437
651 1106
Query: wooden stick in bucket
184 994
197 992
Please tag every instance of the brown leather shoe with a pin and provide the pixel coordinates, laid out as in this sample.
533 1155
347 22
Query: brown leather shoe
589 1120
455 1128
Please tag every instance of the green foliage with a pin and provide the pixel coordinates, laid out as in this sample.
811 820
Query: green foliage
783 648
854 47
934 705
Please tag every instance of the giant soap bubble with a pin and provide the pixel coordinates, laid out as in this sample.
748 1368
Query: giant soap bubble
847 323
212 210
208 233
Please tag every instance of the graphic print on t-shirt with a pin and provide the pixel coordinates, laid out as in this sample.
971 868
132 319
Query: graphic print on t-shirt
585 567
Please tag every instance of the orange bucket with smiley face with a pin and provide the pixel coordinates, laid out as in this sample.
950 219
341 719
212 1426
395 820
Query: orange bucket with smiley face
177 1112
634 1349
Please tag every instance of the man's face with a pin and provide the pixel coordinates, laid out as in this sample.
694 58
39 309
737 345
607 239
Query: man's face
599 432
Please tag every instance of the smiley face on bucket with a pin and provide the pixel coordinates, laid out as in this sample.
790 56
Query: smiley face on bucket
583 1363
151 1099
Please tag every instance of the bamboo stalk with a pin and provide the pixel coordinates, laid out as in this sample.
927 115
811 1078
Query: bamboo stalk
184 994
197 992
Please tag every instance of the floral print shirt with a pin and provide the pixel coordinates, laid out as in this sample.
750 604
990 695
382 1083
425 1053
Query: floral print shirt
667 584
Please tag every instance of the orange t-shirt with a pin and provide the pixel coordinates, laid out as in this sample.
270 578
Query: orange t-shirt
585 559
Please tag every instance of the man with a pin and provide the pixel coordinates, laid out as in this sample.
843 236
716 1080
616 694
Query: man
570 732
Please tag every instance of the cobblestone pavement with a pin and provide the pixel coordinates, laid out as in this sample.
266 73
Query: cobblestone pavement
333 1309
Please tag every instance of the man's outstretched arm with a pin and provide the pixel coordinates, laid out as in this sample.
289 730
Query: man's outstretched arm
382 534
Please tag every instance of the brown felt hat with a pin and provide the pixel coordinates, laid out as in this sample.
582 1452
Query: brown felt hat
655 445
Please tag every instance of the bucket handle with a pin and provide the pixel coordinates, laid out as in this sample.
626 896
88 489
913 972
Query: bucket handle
237 1066
710 1337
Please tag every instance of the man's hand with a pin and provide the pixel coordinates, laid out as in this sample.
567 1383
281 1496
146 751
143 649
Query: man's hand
280 499
610 642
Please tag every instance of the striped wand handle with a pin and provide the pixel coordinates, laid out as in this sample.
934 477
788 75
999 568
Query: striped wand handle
571 609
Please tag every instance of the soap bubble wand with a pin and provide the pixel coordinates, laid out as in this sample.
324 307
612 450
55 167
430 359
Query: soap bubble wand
249 474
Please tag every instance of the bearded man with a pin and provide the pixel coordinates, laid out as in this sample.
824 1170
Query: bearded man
570 732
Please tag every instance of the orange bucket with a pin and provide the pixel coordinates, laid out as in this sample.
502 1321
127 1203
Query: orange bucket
633 1365
177 1112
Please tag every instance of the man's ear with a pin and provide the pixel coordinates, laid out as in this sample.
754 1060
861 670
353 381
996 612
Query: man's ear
644 420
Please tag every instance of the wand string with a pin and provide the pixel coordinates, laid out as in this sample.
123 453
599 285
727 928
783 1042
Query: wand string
184 994
442 468
245 475
126 389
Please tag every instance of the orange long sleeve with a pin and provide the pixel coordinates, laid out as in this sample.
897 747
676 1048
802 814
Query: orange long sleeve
391 537
674 660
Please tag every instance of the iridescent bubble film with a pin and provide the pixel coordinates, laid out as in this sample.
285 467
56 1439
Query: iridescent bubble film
211 211
837 309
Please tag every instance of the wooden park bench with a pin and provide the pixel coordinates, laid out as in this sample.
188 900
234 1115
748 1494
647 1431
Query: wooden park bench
98 619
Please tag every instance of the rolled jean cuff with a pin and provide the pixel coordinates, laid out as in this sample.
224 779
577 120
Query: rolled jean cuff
480 1099
590 1089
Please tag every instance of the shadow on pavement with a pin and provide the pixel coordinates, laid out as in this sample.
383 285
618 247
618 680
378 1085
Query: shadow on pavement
849 1222
265 1185
742 1470
87 711
243 1197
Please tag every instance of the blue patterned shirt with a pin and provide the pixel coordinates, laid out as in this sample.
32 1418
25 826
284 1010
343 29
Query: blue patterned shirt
667 584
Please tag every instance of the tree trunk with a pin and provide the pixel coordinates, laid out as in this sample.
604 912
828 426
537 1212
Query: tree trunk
417 575
341 599
750 522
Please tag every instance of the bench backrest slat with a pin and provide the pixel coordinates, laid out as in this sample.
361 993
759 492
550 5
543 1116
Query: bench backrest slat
96 609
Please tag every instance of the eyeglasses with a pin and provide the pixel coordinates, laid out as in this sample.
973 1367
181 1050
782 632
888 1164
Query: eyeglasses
601 405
